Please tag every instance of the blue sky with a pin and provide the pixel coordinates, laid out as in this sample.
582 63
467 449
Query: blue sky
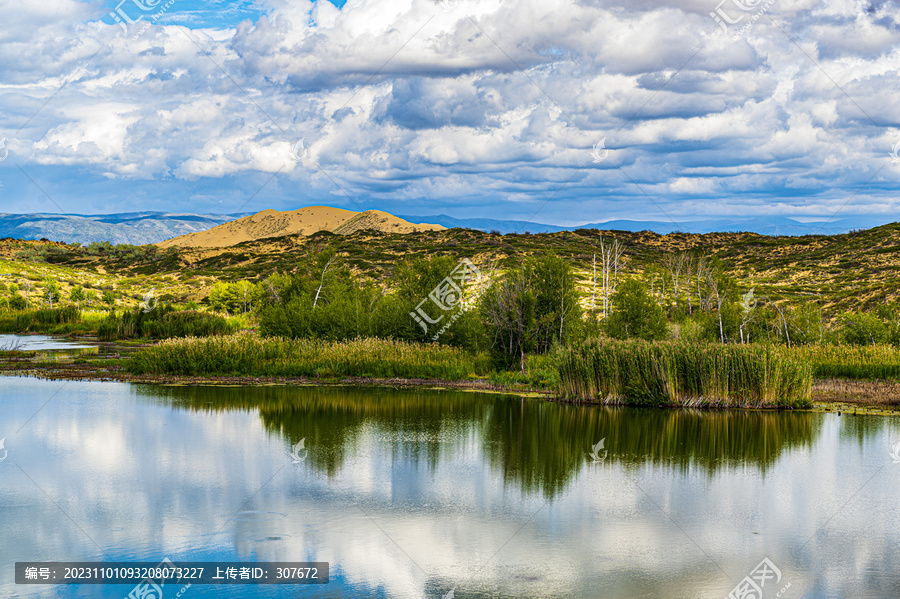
559 111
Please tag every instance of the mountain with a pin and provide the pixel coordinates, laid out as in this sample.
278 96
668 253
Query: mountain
135 228
762 225
306 221
139 228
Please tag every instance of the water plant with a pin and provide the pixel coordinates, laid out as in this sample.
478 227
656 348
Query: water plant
639 372
246 354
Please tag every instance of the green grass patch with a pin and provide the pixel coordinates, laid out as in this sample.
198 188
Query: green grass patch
650 373
163 323
851 361
246 354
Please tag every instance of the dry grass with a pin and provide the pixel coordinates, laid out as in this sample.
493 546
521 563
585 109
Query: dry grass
884 393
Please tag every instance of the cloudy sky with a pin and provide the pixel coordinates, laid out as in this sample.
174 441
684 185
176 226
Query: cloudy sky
561 111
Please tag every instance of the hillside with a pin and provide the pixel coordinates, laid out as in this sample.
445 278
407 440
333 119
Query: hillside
841 272
305 221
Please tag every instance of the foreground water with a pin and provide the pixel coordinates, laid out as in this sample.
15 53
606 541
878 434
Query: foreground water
417 493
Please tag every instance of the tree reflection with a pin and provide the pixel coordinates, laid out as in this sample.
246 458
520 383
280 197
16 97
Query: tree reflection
538 445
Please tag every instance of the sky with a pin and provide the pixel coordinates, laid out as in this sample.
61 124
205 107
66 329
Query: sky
560 112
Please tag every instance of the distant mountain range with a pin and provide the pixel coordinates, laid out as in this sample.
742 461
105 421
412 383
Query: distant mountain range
139 228
136 228
762 225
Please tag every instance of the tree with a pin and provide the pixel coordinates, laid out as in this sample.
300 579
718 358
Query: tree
509 309
748 305
635 313
239 297
556 299
77 294
51 291
610 259
17 302
531 309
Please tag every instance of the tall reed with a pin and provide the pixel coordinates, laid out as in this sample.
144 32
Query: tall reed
851 361
649 373
246 354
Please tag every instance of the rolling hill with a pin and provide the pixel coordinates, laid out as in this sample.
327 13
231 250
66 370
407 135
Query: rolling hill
306 221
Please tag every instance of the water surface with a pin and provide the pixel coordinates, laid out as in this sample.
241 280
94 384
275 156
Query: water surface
415 493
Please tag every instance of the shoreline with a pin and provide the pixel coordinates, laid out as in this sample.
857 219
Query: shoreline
881 397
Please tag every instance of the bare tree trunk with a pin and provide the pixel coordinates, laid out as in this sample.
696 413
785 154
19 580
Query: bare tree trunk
322 283
787 335
700 265
687 278
719 310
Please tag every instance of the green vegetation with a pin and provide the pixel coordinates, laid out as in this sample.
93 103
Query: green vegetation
851 362
638 372
752 306
635 314
249 355
162 323
21 321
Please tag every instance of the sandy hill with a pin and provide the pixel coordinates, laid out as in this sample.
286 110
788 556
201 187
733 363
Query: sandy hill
306 221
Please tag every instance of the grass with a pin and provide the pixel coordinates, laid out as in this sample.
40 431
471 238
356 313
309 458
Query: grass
851 361
162 323
651 373
41 321
540 373
245 354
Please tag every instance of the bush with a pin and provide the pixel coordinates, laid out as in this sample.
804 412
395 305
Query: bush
635 314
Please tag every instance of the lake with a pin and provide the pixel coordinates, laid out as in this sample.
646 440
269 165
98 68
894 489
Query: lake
417 493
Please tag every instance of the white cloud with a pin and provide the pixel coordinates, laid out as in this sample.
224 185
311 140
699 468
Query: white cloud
406 100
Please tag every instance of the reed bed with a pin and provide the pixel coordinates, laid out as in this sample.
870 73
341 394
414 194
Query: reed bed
851 361
246 354
163 323
21 321
650 373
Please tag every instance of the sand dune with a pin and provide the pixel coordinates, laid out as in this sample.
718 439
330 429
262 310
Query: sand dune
306 221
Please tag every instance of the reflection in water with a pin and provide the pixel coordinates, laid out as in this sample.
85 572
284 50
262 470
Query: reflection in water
414 493
537 445
40 343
